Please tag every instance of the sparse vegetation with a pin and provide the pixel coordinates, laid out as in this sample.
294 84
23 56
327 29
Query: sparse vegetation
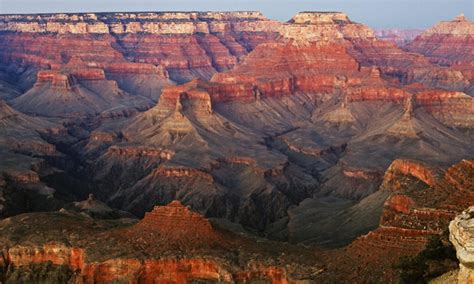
438 257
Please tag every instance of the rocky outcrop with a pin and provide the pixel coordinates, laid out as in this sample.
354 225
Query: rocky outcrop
177 223
406 125
450 108
461 234
342 114
149 22
75 89
413 212
95 209
413 168
181 45
182 172
192 97
314 18
317 26
447 43
169 244
150 270
321 98
177 270
140 152
285 121
310 69
460 175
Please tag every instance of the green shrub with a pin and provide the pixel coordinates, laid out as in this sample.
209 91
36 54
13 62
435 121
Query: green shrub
438 252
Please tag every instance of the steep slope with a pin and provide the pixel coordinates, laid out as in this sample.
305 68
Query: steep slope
297 119
26 157
311 131
449 43
170 238
179 245
422 201
193 154
184 45
75 90
460 234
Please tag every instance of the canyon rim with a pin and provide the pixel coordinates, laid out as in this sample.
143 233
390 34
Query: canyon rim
209 147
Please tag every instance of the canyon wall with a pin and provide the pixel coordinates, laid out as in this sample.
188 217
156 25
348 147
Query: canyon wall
449 43
171 243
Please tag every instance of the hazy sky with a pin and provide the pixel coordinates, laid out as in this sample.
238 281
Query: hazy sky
375 13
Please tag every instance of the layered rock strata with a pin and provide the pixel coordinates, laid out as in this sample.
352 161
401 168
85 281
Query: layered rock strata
145 256
447 43
421 203
177 222
186 45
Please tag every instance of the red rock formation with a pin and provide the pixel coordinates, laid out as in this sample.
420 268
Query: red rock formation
56 79
414 212
460 175
135 270
150 271
415 169
177 223
300 64
56 253
70 92
399 203
274 70
451 108
140 152
315 59
187 45
181 172
273 274
447 43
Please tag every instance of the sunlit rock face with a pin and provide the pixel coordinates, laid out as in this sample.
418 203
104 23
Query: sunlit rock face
186 45
461 231
420 201
204 124
447 42
171 243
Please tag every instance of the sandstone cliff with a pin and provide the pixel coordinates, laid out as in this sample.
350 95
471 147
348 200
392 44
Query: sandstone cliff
421 202
452 40
312 131
141 252
449 43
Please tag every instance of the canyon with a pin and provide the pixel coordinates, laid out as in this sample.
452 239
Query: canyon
225 146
